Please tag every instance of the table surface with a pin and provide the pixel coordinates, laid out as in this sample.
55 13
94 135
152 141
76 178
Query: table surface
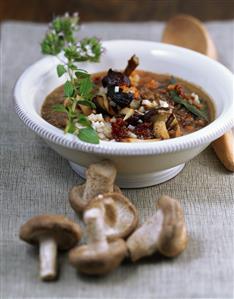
35 180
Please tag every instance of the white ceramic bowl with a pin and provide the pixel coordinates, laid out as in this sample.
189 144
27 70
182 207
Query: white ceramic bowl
139 164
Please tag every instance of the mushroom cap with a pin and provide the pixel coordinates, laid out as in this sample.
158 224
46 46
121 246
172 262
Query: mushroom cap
64 231
120 215
173 238
87 259
105 169
165 231
76 197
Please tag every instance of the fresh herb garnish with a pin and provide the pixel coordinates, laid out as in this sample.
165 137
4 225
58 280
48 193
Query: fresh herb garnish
68 89
87 134
61 31
59 108
78 88
61 70
87 103
188 106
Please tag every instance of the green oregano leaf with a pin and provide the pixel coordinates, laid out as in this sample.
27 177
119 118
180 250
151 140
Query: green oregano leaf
61 70
81 74
83 120
87 103
88 135
52 44
59 108
73 67
68 89
86 86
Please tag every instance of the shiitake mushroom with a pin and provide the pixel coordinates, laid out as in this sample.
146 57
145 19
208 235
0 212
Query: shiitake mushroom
114 78
120 98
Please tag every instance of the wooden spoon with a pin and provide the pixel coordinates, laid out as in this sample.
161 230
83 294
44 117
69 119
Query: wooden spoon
188 32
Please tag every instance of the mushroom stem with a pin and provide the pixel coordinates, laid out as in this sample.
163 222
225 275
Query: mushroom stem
144 241
48 258
94 220
160 129
133 62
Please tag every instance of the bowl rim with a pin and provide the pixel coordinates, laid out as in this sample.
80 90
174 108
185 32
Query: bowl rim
52 134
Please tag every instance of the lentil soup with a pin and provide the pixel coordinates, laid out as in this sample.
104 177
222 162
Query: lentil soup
136 105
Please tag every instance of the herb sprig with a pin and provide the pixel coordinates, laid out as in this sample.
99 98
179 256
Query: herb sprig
78 88
188 106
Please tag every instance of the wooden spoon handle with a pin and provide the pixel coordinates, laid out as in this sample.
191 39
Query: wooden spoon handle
224 149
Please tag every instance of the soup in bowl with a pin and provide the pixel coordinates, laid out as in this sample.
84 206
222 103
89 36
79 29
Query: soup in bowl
142 106
178 99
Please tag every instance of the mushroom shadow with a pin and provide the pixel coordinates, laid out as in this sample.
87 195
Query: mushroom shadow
32 252
118 275
191 252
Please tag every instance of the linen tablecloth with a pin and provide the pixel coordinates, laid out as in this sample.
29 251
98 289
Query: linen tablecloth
35 180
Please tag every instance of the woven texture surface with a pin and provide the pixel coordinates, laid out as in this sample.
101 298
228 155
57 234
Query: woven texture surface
35 180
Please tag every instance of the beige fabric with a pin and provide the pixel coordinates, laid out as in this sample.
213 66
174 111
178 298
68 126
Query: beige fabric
35 180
